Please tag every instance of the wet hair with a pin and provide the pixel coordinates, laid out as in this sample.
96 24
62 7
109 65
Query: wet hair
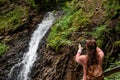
91 52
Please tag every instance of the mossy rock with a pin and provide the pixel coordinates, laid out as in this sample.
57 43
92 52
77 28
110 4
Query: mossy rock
12 19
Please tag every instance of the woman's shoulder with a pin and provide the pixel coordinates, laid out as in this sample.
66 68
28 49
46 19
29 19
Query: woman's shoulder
83 59
100 52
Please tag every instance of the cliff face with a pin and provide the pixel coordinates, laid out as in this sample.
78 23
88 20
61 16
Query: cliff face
16 17
54 64
17 22
22 20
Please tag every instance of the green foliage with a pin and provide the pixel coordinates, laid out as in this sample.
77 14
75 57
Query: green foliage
60 32
72 21
32 3
47 1
3 48
80 19
13 19
44 4
1 1
69 7
111 7
117 28
99 30
99 34
115 76
117 43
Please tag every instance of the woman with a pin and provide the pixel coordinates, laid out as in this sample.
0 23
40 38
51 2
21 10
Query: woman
94 56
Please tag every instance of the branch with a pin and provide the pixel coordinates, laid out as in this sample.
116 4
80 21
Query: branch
111 71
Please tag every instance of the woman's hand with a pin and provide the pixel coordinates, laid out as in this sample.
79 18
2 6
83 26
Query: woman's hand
77 57
80 48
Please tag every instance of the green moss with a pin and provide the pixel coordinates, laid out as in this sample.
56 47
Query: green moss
3 48
13 19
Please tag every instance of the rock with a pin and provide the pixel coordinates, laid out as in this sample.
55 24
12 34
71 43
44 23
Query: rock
1 37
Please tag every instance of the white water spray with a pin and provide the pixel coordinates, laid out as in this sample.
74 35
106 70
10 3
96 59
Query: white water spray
30 56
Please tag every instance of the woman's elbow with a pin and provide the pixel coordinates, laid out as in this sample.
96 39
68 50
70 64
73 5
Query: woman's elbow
76 59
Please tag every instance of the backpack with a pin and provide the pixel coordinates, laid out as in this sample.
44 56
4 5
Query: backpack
95 73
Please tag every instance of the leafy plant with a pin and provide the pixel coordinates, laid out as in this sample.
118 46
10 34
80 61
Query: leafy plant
99 34
3 48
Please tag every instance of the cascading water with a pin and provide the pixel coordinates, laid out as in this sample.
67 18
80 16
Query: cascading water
30 56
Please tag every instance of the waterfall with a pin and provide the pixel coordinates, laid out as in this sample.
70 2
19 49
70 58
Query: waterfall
30 56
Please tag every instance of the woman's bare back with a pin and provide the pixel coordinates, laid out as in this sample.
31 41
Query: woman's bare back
82 59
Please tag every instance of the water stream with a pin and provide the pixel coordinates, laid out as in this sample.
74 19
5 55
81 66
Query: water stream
30 56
